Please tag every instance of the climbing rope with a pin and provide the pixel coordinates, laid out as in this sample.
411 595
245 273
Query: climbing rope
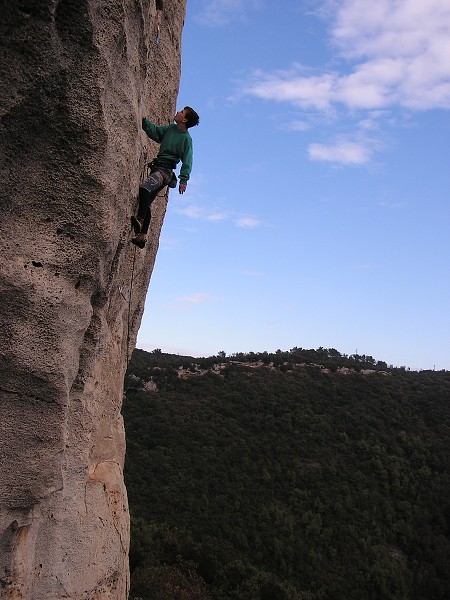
129 306
144 170
143 176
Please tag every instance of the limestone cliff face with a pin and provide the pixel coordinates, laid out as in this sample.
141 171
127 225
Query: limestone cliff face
76 78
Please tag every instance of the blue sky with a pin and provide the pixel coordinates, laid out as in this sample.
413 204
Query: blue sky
317 213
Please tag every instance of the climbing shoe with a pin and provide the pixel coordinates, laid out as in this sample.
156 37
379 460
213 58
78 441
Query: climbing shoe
139 243
136 225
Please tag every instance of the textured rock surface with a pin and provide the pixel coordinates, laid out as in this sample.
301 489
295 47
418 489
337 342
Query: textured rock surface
76 78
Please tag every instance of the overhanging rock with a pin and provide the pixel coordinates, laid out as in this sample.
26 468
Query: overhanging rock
77 77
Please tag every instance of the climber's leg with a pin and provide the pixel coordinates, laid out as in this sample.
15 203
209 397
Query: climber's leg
141 223
146 223
148 191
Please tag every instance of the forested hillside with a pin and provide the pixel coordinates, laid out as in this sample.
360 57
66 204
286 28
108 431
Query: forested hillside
305 475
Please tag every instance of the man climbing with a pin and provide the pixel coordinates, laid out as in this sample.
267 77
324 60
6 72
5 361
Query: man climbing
176 145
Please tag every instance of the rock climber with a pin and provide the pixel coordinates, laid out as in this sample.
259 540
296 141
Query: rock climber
175 145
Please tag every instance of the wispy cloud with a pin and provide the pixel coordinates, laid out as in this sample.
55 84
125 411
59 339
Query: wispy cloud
298 125
303 90
394 55
192 211
215 215
344 153
188 302
248 222
216 13
196 298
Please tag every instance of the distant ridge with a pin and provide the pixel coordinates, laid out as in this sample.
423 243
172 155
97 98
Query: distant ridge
249 479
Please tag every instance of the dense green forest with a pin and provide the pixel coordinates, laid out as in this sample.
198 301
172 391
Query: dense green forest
299 475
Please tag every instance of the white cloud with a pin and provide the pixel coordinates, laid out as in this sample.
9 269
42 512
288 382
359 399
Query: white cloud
370 121
298 125
192 211
185 303
344 153
394 54
404 45
217 216
214 215
308 91
248 222
408 28
216 13
197 298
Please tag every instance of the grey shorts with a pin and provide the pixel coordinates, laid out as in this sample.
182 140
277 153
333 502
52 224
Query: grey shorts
157 180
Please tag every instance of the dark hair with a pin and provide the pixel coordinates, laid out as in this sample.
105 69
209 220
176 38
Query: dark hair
191 116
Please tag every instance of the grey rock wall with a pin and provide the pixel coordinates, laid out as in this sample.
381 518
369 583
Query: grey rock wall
76 78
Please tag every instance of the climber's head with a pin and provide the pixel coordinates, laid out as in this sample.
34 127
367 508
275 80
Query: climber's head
186 118
192 117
